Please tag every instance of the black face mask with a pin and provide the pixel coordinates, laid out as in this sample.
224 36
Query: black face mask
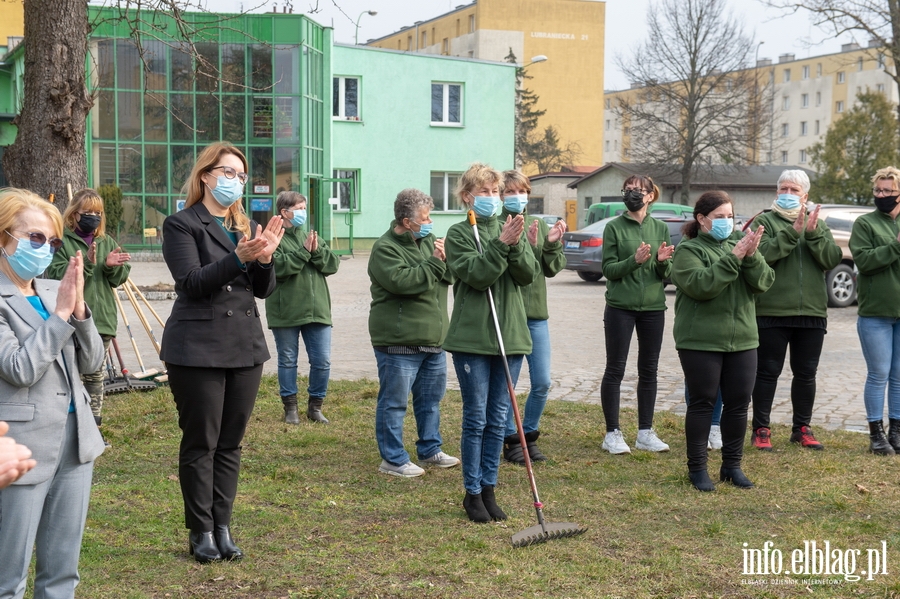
634 200
887 203
88 223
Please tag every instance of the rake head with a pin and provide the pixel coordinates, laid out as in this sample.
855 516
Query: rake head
536 534
120 385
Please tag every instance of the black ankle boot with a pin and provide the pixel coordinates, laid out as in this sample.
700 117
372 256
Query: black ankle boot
291 416
226 545
701 481
512 450
314 410
736 477
490 504
203 547
894 434
531 443
878 443
475 509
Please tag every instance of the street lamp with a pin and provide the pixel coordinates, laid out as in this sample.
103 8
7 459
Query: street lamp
536 59
365 12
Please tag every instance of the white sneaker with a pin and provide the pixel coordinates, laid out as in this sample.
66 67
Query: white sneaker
647 440
441 460
715 437
615 443
407 470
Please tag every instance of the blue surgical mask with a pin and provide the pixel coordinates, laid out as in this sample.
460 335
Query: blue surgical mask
227 191
516 203
424 230
299 218
721 228
486 205
29 262
788 201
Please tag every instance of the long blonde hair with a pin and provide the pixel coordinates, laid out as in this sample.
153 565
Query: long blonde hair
86 200
14 201
235 218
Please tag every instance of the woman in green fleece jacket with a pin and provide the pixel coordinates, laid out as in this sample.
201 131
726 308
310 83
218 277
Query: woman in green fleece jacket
875 244
506 265
407 323
717 275
105 268
301 306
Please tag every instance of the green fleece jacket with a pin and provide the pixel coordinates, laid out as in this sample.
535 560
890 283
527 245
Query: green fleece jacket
799 261
301 292
550 259
502 268
629 285
876 252
714 304
100 280
409 292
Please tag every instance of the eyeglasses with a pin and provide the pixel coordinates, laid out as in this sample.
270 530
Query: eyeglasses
230 173
90 214
39 239
884 192
637 189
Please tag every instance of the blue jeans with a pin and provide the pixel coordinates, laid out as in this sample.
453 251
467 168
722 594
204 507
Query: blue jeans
539 373
426 376
880 341
485 397
317 339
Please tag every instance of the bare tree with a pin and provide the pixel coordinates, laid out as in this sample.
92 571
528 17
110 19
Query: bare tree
696 101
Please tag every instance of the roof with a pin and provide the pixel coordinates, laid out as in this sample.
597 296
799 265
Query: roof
729 176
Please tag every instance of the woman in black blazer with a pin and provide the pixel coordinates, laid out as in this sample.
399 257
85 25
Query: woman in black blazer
213 344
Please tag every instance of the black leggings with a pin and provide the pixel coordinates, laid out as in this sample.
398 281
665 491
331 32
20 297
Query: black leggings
619 325
705 372
806 347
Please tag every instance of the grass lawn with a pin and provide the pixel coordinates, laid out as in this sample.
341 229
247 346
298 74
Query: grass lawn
316 519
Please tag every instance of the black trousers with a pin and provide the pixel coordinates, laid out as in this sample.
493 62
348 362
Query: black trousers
619 325
705 373
806 347
214 406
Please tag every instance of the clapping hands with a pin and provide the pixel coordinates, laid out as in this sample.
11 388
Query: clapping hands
263 245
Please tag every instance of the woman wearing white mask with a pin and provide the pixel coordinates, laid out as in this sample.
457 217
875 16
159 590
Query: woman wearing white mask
717 275
213 344
793 312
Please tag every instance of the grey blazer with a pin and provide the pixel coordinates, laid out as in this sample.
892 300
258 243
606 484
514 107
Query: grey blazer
40 366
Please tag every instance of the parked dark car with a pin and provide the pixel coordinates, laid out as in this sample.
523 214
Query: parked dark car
584 248
550 219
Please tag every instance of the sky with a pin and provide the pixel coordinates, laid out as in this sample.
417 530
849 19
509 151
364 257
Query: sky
625 24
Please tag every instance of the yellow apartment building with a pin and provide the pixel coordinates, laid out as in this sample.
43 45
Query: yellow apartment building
569 32
12 20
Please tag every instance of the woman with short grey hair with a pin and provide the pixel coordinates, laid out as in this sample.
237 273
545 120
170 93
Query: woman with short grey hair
407 324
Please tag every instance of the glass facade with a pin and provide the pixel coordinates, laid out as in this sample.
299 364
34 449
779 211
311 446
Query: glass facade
257 81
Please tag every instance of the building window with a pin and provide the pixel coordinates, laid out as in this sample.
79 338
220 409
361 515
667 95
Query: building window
804 130
471 23
816 127
840 76
588 200
607 124
880 88
458 29
615 145
607 145
802 156
787 75
839 106
606 104
345 98
785 130
859 64
445 47
880 60
442 186
784 157
446 104
424 39
818 69
818 98
347 192
804 100
785 102
805 72
771 76
409 46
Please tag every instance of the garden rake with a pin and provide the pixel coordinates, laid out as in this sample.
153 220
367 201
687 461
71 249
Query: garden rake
542 531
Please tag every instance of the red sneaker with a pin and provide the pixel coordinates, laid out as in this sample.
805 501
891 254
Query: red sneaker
762 439
805 438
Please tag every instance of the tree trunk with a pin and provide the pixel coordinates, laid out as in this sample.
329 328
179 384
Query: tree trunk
49 150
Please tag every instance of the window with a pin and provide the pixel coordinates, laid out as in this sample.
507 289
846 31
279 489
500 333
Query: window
607 124
816 127
840 76
445 47
458 30
804 130
424 39
802 156
784 158
615 145
607 145
804 100
839 106
346 192
785 102
880 88
345 98
806 72
880 60
588 200
607 104
785 130
409 45
471 23
442 186
787 75
818 69
446 104
818 98
859 64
